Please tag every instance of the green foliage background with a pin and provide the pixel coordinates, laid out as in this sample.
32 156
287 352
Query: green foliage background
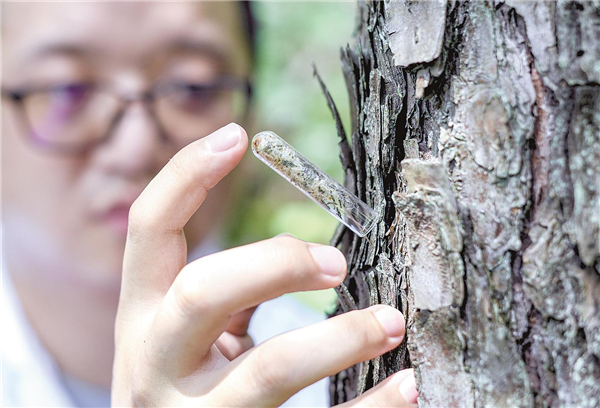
289 102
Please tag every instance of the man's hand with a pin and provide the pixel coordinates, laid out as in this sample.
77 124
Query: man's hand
181 329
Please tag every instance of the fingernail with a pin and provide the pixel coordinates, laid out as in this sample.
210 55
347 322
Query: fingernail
408 389
330 260
391 320
224 138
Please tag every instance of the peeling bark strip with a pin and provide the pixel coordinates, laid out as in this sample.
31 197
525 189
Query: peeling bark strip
476 132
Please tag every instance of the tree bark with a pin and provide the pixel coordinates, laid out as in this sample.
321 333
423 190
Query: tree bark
475 133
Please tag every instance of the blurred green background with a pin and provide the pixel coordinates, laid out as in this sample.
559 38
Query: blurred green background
288 101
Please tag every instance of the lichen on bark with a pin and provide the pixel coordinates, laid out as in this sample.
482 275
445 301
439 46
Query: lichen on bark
475 131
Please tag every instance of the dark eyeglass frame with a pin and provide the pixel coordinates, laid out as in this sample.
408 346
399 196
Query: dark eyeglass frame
148 98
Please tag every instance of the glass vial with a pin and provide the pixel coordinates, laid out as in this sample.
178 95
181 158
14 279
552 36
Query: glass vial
312 181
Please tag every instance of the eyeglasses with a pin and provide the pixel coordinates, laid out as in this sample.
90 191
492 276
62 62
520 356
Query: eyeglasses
73 118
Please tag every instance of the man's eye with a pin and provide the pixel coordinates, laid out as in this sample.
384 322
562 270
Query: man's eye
194 98
69 99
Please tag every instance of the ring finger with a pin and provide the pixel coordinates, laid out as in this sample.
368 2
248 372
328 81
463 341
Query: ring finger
277 369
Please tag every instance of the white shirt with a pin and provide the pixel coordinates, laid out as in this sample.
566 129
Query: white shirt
31 377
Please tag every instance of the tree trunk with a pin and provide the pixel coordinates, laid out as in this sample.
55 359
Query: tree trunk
475 132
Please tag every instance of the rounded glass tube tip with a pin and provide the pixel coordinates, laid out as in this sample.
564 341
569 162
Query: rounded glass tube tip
315 183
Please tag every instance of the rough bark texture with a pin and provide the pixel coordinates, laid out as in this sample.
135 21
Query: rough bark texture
475 132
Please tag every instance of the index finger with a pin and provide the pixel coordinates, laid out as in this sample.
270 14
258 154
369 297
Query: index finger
156 250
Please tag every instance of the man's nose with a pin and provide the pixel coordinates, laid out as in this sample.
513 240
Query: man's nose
135 144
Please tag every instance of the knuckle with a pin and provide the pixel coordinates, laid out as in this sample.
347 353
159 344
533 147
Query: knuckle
367 330
368 335
140 394
284 245
188 295
142 391
280 250
295 258
177 167
148 393
187 164
379 336
135 218
141 219
271 373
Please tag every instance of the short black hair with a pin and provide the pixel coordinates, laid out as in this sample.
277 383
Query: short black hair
249 25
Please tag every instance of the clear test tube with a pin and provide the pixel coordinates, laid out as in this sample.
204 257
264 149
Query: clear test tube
312 181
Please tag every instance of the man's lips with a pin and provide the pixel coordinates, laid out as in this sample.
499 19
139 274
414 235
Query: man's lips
111 208
117 217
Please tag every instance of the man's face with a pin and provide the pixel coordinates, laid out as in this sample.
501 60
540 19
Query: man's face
66 214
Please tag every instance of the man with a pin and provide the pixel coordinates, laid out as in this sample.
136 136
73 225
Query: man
97 97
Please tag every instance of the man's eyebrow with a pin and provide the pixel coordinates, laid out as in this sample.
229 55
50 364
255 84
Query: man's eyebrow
59 48
202 48
205 48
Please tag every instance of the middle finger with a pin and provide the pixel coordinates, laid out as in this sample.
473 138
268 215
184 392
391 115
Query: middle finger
209 291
